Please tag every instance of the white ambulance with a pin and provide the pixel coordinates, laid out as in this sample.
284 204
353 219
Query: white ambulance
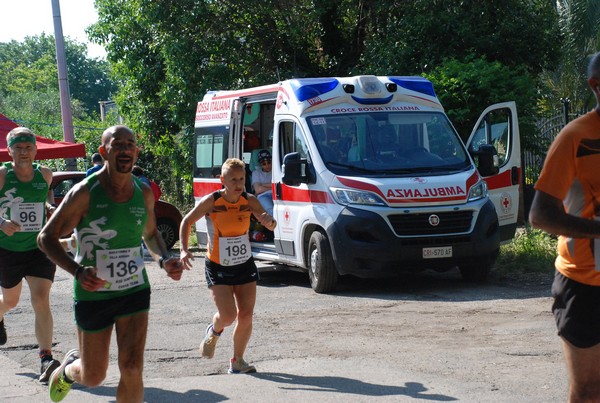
369 176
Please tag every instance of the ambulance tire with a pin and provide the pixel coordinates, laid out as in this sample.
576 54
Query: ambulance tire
321 267
478 271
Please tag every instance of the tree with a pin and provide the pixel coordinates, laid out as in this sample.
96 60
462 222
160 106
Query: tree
415 36
167 54
29 91
579 21
461 84
30 66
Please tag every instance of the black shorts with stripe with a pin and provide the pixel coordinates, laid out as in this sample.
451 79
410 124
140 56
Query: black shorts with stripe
576 310
239 274
95 316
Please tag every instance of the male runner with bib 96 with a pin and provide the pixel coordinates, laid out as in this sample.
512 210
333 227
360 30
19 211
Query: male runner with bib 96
24 198
230 270
111 212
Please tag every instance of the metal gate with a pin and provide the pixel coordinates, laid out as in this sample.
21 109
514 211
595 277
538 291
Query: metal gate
533 160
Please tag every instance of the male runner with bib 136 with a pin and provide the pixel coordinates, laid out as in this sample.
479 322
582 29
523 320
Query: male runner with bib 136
231 273
111 212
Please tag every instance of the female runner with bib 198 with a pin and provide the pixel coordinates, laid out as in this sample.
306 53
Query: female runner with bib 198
231 273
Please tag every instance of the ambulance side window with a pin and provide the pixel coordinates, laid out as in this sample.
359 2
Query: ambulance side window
495 129
210 150
291 140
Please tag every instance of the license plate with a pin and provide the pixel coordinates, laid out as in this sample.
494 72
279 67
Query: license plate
439 252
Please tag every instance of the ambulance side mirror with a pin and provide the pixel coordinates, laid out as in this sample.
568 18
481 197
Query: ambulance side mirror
487 160
294 169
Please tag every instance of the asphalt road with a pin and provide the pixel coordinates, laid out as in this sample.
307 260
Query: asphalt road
428 337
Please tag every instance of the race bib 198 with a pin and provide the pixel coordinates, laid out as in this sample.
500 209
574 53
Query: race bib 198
234 250
121 268
30 216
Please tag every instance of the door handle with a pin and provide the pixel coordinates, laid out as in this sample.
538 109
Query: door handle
514 175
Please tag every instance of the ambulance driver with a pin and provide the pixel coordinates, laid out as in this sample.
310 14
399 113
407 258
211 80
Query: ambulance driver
230 270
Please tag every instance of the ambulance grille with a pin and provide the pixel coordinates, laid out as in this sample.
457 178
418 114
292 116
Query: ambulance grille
452 222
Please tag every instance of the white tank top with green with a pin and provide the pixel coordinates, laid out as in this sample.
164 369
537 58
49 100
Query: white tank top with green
109 237
25 203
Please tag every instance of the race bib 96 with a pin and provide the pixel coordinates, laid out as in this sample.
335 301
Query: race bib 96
30 216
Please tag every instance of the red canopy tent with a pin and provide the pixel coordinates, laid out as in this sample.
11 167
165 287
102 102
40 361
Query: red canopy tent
47 149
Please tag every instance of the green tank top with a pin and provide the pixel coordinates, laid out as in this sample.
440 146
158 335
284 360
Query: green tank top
109 237
25 203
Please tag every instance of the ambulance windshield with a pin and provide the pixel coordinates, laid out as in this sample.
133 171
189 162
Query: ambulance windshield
388 143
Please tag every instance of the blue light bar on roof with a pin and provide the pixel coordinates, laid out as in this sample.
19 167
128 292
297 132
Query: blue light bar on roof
312 87
418 84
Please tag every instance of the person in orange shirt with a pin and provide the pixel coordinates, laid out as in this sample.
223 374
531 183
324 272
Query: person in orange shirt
567 204
231 273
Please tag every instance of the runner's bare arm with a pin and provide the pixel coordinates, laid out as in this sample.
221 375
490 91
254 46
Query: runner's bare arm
50 205
548 213
200 210
61 224
154 242
261 215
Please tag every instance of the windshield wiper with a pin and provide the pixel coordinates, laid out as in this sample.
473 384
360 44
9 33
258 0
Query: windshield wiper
352 167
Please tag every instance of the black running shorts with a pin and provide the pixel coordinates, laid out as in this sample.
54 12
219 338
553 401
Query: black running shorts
576 310
95 316
216 274
14 266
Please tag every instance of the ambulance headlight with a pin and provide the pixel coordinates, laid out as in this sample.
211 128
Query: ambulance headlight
351 196
479 191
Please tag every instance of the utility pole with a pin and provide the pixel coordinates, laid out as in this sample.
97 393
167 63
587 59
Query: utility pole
63 83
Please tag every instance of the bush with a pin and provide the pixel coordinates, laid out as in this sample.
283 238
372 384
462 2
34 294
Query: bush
531 250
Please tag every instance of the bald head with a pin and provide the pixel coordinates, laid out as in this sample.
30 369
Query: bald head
594 66
112 131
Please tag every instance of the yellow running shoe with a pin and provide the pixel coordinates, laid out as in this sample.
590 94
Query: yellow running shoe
60 385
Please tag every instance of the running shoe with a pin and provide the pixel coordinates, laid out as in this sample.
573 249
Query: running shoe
60 385
3 336
207 347
239 366
48 367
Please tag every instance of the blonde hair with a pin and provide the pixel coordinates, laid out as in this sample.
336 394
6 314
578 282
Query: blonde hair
232 163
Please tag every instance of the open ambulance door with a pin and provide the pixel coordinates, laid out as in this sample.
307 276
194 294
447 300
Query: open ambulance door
498 125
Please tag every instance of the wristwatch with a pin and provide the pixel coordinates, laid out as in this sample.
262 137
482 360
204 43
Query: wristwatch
162 260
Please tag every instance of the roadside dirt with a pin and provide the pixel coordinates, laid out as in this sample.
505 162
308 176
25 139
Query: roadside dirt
429 336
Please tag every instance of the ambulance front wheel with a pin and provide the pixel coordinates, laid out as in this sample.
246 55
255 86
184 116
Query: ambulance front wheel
321 271
479 270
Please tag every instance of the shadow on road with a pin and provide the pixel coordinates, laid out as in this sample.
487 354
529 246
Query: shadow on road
338 384
156 395
427 285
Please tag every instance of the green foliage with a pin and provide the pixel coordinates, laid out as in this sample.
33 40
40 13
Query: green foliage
415 36
40 111
579 21
30 66
530 250
165 55
463 84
